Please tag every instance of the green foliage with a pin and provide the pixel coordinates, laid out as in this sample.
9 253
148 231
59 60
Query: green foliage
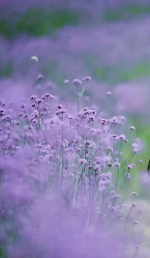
122 73
139 71
2 252
125 12
7 70
101 73
135 10
112 15
38 22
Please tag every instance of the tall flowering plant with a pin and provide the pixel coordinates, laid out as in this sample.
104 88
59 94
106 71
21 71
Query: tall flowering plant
62 178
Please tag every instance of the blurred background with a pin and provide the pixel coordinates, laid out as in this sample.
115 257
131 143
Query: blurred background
108 40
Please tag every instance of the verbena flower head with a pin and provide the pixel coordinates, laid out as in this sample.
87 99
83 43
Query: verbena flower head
66 81
40 77
77 82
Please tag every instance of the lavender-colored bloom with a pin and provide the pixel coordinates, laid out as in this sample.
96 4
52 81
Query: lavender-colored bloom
109 148
132 128
116 164
128 176
129 167
40 77
122 137
66 81
108 93
77 82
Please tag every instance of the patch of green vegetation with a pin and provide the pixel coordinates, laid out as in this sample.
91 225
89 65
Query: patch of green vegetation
139 71
142 132
126 12
101 73
7 70
135 10
122 73
2 252
38 22
51 71
112 15
5 28
91 61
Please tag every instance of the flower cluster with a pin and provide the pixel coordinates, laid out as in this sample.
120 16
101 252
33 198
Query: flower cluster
75 159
